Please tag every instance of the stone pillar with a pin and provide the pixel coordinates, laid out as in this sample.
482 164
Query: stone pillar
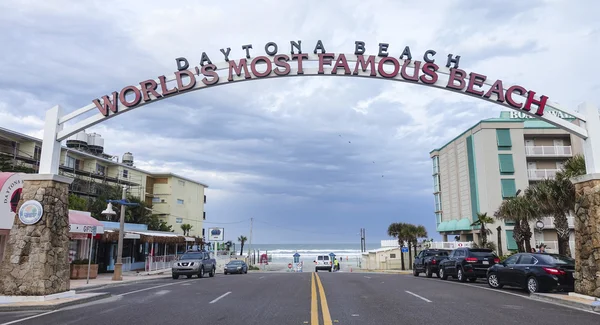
587 235
36 258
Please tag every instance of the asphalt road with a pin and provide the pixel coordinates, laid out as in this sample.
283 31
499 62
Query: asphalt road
308 298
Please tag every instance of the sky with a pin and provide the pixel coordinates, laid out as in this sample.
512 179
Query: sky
312 159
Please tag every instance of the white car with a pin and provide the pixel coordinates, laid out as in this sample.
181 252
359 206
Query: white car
323 263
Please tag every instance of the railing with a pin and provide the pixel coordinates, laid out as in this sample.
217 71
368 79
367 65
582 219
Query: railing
548 151
552 246
549 222
539 174
162 262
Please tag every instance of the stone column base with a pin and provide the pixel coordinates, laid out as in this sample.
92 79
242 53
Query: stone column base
36 257
587 235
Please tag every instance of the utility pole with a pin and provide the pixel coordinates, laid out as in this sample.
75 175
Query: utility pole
363 245
250 240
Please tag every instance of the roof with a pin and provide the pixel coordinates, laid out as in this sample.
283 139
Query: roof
177 176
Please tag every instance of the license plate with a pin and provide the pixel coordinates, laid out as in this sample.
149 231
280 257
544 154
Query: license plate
486 262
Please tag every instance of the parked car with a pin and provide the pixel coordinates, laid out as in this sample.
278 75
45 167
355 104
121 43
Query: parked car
236 266
534 272
428 261
468 264
194 263
322 262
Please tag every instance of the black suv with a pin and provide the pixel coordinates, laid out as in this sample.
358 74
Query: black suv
468 264
428 261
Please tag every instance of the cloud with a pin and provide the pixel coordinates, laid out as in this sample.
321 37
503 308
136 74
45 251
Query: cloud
296 153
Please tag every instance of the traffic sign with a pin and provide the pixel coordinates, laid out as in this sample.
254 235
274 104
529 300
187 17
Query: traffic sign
404 249
289 265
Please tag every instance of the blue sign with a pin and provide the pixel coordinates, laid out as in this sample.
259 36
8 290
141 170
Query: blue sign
296 255
404 249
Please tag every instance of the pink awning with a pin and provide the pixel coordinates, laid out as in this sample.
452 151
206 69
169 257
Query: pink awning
82 224
82 218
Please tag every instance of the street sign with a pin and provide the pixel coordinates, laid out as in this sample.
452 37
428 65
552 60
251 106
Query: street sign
94 231
289 265
404 249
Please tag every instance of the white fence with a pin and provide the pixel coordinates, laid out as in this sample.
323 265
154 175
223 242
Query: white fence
154 263
549 222
564 151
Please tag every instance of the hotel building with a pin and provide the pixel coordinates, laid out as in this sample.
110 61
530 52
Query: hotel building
492 161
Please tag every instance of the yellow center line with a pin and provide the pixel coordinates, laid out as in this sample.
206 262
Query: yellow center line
314 307
324 307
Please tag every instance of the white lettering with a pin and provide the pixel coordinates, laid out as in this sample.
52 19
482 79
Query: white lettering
514 114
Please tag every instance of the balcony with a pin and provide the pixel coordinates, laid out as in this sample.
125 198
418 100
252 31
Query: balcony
548 151
549 222
540 174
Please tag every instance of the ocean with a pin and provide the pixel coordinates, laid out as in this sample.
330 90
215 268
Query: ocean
283 253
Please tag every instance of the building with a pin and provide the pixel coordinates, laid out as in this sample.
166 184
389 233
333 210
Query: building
176 199
492 161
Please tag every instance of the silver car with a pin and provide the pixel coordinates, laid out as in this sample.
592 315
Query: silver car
236 267
194 263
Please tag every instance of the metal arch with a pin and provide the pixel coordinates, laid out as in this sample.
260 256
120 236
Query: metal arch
70 130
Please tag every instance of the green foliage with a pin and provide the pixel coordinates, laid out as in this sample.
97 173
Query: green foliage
7 165
77 203
186 227
253 268
573 167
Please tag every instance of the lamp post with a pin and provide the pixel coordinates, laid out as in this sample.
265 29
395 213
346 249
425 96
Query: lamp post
118 273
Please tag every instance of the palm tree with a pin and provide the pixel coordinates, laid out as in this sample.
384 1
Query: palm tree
186 227
508 211
420 232
527 210
242 240
573 167
397 231
482 220
556 197
410 234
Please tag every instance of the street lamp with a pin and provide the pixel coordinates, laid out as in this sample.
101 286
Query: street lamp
118 274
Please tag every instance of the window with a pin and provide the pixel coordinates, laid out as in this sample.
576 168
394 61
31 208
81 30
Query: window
392 255
37 153
438 202
205 199
203 215
125 173
512 260
506 164
509 188
438 217
503 139
510 241
70 162
181 183
179 220
436 164
436 183
527 259
156 199
100 169
179 201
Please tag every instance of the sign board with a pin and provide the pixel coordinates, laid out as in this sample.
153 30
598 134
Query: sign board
93 231
31 212
404 249
11 186
216 234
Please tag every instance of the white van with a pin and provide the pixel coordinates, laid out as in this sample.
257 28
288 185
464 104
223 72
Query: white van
323 263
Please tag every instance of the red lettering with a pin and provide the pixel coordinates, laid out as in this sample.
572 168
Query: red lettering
256 61
497 89
475 79
185 73
281 61
382 71
208 70
238 69
149 87
107 104
341 62
163 86
136 99
456 75
324 59
541 104
429 69
509 92
364 65
299 57
415 76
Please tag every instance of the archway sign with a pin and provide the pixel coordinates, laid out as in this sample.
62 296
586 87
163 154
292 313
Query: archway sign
429 69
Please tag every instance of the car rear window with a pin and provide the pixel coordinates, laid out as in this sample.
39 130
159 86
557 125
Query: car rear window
323 258
556 259
482 253
436 253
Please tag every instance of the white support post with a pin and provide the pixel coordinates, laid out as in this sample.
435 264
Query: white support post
591 145
50 157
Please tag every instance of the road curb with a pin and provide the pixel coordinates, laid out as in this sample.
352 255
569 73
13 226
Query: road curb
108 285
592 306
95 297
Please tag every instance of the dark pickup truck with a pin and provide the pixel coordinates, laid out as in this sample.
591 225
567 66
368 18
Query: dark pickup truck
428 261
468 264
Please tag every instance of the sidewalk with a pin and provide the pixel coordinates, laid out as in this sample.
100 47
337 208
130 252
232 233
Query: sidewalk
105 279
571 300
385 271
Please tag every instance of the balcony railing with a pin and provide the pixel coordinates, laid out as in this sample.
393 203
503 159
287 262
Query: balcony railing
548 151
549 222
539 174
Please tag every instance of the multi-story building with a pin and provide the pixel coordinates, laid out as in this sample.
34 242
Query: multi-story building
175 199
493 161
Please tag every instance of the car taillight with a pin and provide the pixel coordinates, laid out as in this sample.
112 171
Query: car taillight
471 259
497 260
553 271
433 261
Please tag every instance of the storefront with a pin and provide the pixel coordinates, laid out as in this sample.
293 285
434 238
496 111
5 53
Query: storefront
81 227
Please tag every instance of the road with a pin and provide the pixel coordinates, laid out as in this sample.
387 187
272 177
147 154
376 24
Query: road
307 298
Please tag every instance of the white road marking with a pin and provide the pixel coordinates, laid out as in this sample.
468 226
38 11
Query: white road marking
416 295
219 298
186 284
368 277
354 315
162 292
140 290
30 317
262 277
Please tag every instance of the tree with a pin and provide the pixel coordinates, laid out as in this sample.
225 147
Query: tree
242 240
509 212
186 227
77 203
573 167
482 220
527 210
398 231
420 232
